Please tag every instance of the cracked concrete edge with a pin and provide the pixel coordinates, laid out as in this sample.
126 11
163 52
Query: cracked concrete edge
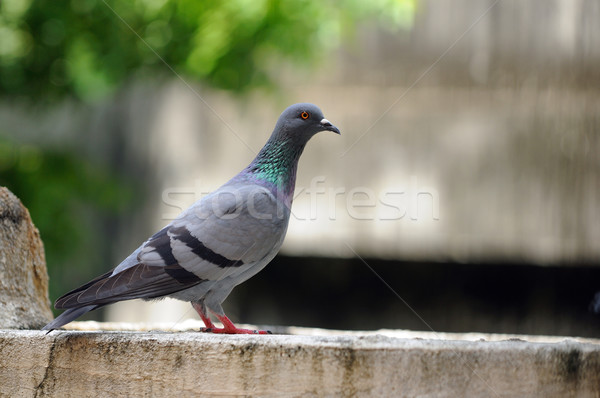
49 365
113 364
192 325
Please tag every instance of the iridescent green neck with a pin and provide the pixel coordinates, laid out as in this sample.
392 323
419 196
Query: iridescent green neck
277 163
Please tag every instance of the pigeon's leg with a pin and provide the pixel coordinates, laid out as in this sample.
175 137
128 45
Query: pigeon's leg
212 302
201 310
230 328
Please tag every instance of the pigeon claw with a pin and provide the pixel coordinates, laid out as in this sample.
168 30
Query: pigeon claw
228 327
234 331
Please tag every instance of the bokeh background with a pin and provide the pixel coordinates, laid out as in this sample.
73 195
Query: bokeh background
463 194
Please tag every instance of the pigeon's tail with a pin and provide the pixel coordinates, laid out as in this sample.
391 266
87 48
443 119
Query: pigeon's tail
68 316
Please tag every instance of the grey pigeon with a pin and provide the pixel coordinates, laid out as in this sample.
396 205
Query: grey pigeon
217 243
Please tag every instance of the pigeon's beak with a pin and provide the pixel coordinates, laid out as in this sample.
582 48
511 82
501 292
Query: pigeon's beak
326 124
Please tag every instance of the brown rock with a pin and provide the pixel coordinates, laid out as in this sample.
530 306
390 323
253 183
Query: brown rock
24 300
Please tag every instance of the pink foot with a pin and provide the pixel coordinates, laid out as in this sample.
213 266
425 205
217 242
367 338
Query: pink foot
228 326
233 331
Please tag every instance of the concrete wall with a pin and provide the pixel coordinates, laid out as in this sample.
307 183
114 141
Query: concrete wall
120 364
487 152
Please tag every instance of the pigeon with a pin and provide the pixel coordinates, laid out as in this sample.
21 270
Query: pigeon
217 243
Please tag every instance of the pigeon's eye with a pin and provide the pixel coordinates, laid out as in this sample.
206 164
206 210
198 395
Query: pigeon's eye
304 115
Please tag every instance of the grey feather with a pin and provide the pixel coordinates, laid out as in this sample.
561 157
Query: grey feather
68 316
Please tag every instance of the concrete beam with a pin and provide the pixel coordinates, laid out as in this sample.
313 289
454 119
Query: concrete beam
121 363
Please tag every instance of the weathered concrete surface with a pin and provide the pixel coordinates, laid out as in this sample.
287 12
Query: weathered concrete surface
23 277
193 325
115 364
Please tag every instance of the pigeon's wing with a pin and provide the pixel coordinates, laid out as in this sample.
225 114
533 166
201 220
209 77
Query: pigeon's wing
138 281
232 230
221 235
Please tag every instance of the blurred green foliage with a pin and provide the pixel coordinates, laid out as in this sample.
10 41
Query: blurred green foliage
71 201
87 49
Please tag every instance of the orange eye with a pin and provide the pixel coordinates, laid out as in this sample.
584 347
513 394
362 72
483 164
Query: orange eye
304 115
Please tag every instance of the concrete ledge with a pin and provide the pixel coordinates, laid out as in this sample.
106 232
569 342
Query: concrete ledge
115 364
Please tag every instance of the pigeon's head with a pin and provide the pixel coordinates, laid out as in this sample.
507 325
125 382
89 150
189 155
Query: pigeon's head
303 121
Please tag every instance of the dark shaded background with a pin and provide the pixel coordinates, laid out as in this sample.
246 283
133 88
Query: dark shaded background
489 298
